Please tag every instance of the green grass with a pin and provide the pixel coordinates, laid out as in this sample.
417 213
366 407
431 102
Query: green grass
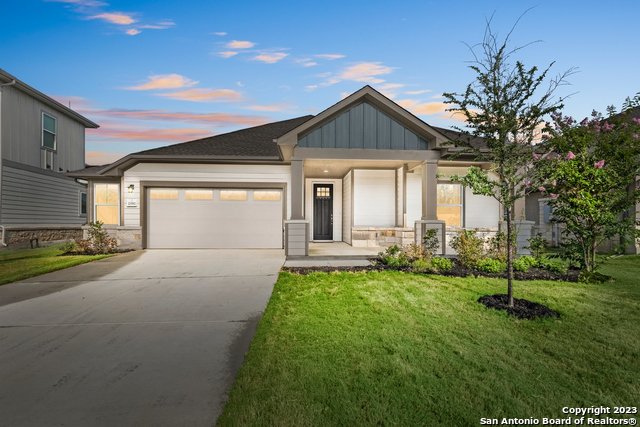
19 264
387 348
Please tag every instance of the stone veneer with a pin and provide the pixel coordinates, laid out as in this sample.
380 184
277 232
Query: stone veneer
127 237
367 237
22 236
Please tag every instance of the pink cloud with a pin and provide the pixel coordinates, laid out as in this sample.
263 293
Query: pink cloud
124 133
215 119
367 72
133 32
165 81
117 18
204 95
101 157
270 58
329 56
227 54
240 44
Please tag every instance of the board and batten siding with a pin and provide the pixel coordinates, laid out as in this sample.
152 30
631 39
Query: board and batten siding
22 132
347 207
38 198
363 126
374 198
205 173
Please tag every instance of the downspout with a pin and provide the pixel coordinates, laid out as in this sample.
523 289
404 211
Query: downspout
11 83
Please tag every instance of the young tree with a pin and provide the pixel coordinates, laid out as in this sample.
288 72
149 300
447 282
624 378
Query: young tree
506 105
590 175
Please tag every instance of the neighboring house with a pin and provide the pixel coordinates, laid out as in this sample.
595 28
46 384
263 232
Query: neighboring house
364 171
40 141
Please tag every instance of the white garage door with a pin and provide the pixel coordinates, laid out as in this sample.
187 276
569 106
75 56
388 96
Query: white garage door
214 218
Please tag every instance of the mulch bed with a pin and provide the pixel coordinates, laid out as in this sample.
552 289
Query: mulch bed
117 251
522 308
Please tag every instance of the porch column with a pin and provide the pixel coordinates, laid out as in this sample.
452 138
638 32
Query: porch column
430 207
296 230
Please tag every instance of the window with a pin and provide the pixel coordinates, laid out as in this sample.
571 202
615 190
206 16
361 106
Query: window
107 208
267 196
323 192
48 132
198 195
450 204
163 194
83 203
233 195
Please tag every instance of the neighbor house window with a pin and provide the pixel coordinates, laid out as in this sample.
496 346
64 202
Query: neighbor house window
83 203
107 206
450 204
267 196
48 131
233 195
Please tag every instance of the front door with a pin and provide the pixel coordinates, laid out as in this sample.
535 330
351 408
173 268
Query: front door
322 211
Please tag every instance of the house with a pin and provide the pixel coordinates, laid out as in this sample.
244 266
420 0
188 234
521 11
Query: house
365 172
40 141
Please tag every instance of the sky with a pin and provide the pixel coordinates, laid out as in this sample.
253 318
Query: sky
155 73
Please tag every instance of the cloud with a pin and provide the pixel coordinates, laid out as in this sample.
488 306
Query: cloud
220 33
269 108
240 44
270 58
125 133
367 72
133 32
311 88
329 56
423 108
165 81
81 3
97 158
162 25
117 18
227 54
417 92
214 119
204 95
306 62
389 89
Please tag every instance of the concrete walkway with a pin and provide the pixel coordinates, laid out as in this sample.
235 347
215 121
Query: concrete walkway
146 338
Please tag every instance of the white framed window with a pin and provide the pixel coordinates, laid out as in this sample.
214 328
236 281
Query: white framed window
49 131
107 203
450 204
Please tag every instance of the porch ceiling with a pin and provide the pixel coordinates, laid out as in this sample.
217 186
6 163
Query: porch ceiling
338 168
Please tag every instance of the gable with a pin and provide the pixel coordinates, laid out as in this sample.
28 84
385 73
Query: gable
362 126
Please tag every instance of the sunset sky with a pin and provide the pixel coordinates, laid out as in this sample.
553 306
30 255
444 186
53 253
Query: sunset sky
154 73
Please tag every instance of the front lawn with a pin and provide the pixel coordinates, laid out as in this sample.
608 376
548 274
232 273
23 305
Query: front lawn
390 348
19 264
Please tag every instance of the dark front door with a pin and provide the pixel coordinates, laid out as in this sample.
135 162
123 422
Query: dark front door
322 211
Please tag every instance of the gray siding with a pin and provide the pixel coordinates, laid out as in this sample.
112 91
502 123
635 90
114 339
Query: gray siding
22 127
363 126
34 197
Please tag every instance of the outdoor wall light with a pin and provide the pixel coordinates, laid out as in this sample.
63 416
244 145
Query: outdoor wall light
131 187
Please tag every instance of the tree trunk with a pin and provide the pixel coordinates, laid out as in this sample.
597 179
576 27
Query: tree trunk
509 260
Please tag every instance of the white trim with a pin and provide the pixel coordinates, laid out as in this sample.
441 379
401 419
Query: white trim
43 130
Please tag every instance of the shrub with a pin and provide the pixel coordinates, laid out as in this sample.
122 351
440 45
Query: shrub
414 252
468 246
430 242
553 264
524 263
69 246
537 246
491 265
439 264
98 242
498 246
394 256
421 265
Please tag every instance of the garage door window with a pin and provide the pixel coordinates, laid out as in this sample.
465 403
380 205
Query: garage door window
233 195
198 195
163 194
267 196
107 208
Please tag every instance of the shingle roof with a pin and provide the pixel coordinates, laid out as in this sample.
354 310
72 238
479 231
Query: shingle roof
251 142
454 135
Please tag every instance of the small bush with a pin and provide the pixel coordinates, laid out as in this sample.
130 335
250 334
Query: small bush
414 252
394 256
69 246
491 265
430 242
468 246
553 264
440 264
538 246
524 263
421 265
498 246
99 241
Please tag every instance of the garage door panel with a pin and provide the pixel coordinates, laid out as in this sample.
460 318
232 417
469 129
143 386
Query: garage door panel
216 223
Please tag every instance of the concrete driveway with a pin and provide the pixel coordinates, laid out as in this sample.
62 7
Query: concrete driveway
145 338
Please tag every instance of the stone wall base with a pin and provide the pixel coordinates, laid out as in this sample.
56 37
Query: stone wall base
28 236
484 233
371 237
127 237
